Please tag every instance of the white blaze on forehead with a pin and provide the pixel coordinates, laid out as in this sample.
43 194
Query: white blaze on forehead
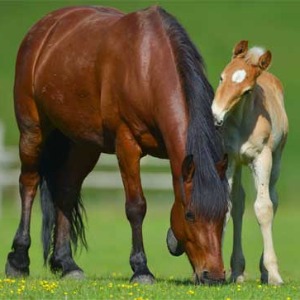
238 76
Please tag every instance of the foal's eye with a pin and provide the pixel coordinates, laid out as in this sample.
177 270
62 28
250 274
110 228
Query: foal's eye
221 79
189 216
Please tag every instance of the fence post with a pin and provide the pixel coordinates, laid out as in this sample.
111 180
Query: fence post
1 157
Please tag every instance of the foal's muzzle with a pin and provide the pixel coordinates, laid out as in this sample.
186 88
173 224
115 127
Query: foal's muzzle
218 115
218 123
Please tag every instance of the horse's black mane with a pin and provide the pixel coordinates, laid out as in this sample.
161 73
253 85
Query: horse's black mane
210 193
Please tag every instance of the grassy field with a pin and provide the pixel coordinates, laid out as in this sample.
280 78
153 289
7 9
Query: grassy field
214 26
106 262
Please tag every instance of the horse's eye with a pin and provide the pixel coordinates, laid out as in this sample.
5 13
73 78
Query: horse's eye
190 217
221 79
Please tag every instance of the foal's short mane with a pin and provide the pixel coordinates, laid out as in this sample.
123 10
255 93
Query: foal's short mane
253 55
210 193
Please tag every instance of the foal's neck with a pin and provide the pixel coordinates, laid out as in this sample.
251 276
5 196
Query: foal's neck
242 110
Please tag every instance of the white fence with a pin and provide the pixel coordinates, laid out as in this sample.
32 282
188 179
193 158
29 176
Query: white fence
155 172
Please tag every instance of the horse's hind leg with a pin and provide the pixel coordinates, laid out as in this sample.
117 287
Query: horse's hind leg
129 154
264 209
69 227
30 145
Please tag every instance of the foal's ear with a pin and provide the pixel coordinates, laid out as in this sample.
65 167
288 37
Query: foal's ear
221 166
188 168
240 49
265 60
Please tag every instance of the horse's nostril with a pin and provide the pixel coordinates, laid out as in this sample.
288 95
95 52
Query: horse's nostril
205 274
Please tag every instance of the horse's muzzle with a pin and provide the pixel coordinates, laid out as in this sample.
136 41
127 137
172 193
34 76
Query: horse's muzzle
207 279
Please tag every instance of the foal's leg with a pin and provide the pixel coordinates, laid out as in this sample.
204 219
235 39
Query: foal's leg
69 178
237 261
274 198
29 147
261 168
129 154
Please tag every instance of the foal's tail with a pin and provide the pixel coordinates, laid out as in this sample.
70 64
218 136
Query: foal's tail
54 155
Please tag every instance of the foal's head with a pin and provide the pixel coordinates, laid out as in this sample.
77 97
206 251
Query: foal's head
238 79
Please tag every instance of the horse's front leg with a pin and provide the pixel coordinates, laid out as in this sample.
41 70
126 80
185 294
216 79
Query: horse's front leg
129 154
264 209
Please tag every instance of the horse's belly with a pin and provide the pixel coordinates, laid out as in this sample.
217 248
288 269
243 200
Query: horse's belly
152 145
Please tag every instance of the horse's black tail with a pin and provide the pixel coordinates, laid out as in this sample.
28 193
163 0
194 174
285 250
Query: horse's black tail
54 155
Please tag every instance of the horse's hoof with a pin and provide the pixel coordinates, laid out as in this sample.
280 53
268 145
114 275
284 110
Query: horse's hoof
11 271
76 274
237 279
143 279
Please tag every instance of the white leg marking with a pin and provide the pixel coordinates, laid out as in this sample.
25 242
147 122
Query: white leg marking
261 168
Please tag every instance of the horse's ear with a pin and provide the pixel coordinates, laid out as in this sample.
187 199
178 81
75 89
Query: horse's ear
221 166
265 60
240 49
188 168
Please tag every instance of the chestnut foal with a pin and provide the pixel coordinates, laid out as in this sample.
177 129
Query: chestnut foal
249 108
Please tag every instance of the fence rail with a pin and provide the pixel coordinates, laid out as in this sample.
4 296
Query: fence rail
157 180
155 174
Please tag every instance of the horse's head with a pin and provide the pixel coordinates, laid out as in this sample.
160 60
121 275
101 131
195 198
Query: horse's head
238 79
196 235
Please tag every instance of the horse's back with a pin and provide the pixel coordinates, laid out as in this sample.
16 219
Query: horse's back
86 66
46 35
36 39
56 62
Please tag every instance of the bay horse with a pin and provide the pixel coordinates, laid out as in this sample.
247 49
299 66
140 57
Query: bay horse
249 106
92 80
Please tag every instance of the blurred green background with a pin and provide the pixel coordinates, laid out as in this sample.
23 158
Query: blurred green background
215 27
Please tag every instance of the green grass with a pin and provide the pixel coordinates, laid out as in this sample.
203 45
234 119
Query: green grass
106 263
116 287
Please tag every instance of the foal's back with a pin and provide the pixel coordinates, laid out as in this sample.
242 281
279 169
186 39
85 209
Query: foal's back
264 121
270 98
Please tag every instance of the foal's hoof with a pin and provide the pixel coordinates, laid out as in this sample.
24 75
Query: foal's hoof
11 271
76 274
143 279
264 277
272 280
